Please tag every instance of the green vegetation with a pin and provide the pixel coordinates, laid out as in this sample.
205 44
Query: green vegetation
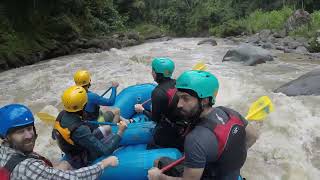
32 26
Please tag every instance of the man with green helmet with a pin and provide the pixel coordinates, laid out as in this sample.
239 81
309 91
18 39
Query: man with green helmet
218 138
164 103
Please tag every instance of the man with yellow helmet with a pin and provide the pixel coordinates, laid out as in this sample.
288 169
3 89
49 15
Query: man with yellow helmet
92 109
75 138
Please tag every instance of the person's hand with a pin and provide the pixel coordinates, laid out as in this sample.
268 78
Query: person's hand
109 161
154 174
114 84
138 108
122 127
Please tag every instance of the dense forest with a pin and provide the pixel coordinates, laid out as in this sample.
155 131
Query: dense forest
31 27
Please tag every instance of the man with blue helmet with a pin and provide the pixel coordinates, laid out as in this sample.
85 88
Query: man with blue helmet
17 159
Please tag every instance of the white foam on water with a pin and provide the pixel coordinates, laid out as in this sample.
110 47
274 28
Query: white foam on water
289 143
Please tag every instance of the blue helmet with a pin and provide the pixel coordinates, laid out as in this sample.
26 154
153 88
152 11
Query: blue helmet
12 116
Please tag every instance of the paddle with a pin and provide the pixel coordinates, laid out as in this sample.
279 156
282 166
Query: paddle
200 66
106 91
257 112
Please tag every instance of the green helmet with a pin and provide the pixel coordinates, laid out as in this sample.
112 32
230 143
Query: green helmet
203 83
164 66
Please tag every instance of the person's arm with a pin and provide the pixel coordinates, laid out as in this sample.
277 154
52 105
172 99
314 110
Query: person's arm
188 174
86 139
107 101
37 169
198 146
251 135
251 132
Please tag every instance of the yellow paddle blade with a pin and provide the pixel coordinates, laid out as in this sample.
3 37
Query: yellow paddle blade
45 117
260 109
200 66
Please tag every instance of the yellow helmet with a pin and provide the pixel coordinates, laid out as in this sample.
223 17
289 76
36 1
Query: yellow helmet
74 98
82 78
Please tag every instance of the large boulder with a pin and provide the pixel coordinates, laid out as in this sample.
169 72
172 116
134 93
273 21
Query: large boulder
208 41
298 19
307 84
248 54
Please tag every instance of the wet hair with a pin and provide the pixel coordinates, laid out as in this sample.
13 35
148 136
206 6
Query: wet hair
160 78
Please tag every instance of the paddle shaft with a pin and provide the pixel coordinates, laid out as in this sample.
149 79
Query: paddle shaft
173 164
106 91
145 102
102 123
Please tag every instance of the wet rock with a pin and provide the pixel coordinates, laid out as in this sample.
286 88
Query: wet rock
129 42
280 48
280 34
3 64
297 19
264 35
301 50
89 50
287 50
268 46
307 84
286 41
294 44
253 39
248 54
208 41
134 35
160 39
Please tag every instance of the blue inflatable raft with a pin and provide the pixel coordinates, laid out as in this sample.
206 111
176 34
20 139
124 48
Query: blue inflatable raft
135 161
136 94
139 132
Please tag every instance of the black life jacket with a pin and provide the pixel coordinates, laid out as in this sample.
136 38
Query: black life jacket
14 160
231 136
64 136
92 116
170 91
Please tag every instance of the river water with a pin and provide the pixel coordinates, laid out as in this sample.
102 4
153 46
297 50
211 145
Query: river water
289 142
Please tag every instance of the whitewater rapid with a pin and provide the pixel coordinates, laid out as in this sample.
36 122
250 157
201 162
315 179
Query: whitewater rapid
289 142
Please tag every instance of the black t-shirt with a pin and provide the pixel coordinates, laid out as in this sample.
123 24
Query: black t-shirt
160 102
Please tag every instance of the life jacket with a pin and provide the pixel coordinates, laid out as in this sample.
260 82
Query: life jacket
14 160
230 135
170 91
92 116
63 136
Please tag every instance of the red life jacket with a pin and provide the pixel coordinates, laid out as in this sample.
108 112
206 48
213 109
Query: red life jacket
230 135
